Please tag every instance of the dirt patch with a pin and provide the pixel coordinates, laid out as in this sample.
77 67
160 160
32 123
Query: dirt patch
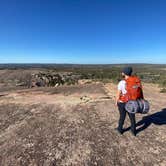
75 89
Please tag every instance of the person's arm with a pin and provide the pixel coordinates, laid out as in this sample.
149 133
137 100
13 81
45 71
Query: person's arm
142 94
118 96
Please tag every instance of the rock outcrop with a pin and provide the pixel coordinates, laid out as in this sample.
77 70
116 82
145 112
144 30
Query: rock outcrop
53 79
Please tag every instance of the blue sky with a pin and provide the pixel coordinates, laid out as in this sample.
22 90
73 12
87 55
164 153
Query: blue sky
82 31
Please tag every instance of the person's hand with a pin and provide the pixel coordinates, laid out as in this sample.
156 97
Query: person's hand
116 102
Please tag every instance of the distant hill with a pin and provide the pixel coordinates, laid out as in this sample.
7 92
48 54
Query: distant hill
38 65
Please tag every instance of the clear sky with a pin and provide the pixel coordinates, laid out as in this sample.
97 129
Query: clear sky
83 31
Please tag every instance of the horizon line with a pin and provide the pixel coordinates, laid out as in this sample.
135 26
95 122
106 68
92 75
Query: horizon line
21 63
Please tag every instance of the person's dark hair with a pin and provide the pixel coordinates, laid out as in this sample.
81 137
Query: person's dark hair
127 71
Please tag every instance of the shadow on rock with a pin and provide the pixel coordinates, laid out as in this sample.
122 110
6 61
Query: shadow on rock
158 118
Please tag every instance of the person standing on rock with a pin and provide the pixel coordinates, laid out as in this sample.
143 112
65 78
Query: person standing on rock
123 97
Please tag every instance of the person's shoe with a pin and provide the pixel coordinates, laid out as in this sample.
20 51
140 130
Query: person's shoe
134 134
120 132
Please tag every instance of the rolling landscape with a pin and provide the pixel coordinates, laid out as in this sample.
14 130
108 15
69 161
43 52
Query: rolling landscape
72 122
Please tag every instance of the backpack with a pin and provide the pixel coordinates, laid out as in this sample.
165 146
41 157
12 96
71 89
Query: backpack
134 97
133 88
137 106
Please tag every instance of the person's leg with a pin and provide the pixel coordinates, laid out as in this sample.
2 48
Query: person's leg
122 112
133 123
